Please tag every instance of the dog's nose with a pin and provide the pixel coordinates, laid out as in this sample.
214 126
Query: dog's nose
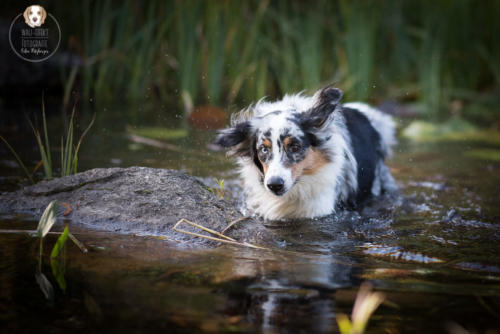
276 185
35 18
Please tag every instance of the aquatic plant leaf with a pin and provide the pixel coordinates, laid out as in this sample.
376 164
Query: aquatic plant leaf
344 323
48 219
58 272
365 304
61 241
45 286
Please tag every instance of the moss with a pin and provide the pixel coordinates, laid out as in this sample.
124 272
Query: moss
455 129
159 133
484 154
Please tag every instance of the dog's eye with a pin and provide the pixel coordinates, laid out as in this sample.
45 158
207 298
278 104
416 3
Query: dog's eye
38 13
264 150
294 148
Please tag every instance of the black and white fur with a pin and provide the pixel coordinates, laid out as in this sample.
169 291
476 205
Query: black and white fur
303 157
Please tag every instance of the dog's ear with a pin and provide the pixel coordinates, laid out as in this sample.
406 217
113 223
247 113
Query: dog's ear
44 15
25 14
327 100
234 136
329 95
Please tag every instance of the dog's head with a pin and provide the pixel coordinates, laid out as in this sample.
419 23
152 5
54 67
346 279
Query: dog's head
285 144
34 15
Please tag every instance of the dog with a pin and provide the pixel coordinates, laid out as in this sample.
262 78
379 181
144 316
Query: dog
306 157
35 16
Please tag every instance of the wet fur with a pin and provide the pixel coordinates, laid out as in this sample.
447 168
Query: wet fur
328 154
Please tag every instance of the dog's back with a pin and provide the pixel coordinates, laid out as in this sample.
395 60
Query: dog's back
372 135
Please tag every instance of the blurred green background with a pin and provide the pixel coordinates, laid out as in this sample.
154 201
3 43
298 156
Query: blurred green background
442 57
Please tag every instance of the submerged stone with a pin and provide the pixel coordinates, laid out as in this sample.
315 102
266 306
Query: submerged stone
135 200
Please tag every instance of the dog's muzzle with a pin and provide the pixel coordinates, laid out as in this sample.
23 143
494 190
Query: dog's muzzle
276 185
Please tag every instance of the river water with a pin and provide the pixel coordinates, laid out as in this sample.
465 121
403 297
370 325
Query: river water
433 251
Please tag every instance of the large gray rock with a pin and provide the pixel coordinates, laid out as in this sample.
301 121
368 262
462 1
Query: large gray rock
134 200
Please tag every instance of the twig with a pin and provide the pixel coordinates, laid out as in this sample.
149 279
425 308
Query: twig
26 231
160 144
223 238
206 229
78 243
153 142
231 224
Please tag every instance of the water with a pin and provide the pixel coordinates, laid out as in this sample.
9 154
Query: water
434 252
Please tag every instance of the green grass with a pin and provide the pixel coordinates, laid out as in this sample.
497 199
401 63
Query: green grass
187 50
44 146
69 152
216 34
361 23
188 53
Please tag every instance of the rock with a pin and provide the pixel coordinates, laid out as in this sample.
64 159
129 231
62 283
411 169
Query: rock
135 200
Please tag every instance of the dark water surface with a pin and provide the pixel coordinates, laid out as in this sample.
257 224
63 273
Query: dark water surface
434 252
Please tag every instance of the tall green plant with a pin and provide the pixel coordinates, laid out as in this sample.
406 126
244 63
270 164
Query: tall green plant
243 50
361 22
187 50
429 66
245 46
44 148
283 60
215 30
309 49
69 153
